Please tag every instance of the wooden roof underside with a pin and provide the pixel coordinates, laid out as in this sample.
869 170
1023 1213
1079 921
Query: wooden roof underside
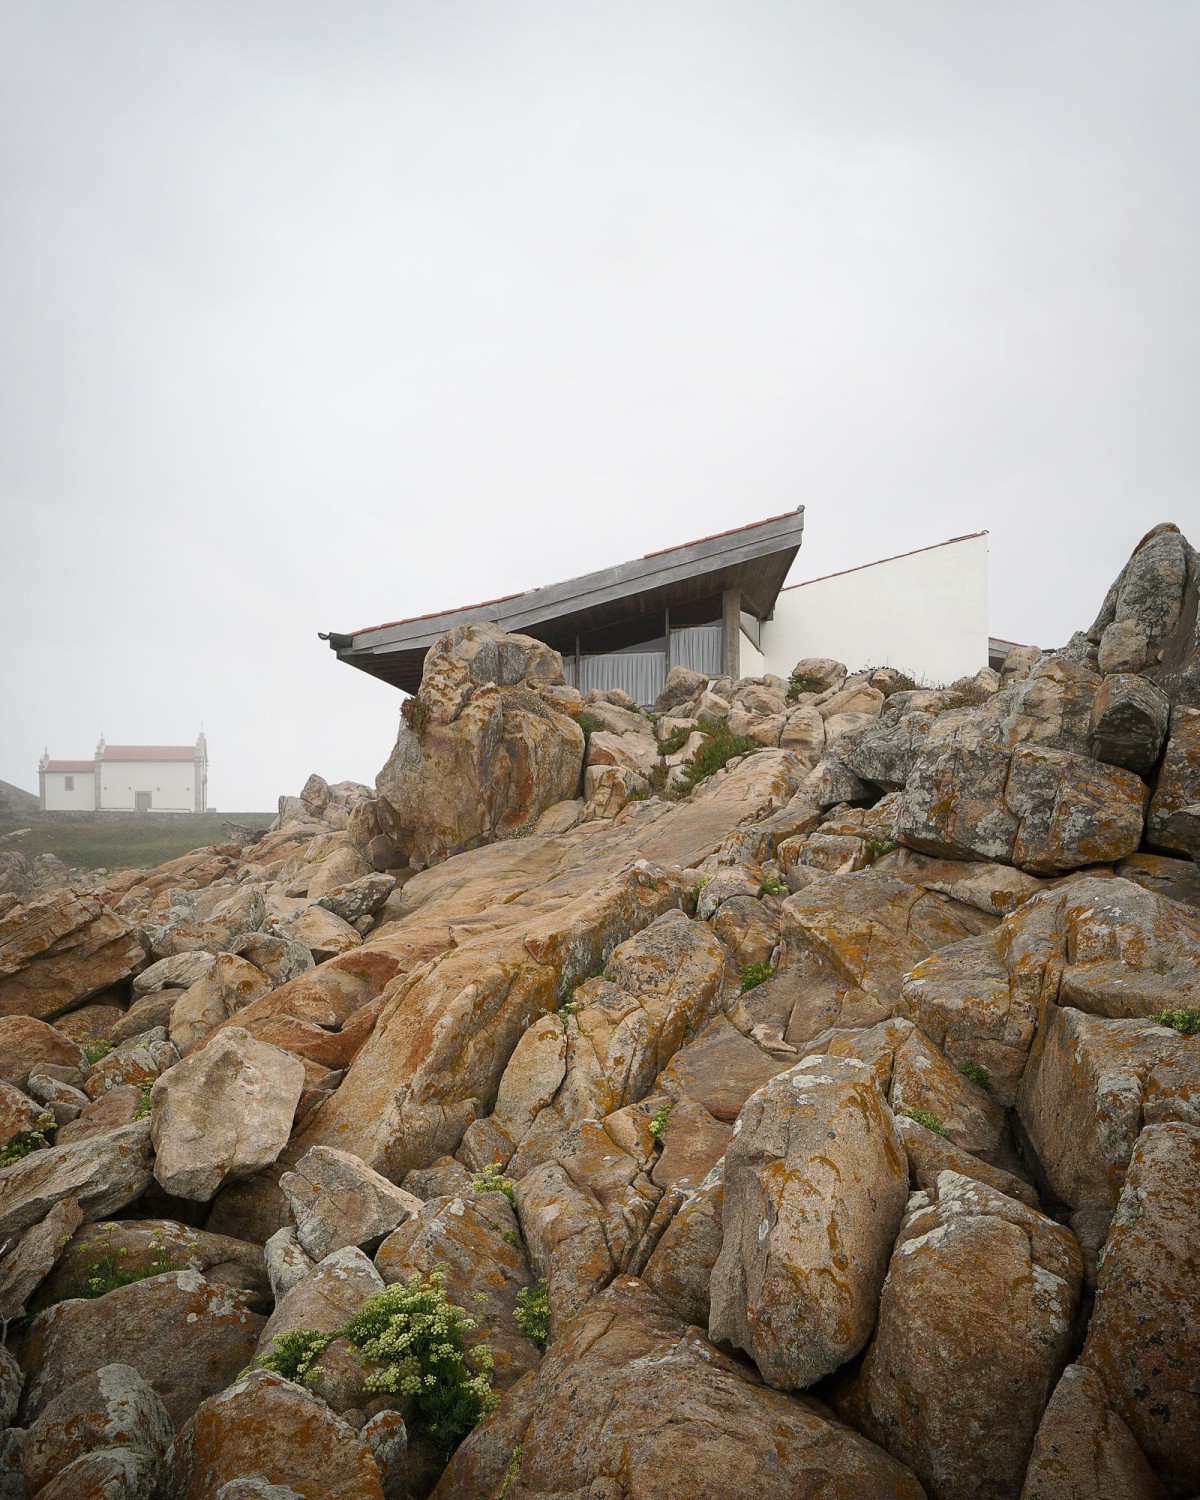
608 610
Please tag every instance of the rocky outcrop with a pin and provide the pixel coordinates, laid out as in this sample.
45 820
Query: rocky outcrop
483 749
60 948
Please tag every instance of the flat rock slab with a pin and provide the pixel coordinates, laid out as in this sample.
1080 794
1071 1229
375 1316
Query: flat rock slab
102 1173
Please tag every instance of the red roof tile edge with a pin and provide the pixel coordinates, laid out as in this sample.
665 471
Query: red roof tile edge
71 766
149 752
841 572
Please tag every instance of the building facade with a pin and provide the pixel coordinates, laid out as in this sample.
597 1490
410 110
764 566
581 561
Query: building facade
723 606
128 778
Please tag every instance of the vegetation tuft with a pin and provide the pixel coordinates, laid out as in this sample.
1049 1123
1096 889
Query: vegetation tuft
658 1123
772 886
799 685
880 847
590 724
94 1051
676 740
928 1119
533 1313
720 747
755 974
492 1180
142 1108
1185 1021
107 1271
976 1073
25 1142
415 713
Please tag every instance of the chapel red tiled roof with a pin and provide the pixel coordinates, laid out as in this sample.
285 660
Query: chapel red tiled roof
71 766
149 752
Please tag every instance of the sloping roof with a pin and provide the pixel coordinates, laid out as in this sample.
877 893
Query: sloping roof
73 767
613 607
971 536
149 752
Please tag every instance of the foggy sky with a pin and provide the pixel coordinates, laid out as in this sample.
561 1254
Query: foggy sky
320 315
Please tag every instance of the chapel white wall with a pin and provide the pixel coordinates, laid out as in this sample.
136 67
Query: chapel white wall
926 613
81 799
172 785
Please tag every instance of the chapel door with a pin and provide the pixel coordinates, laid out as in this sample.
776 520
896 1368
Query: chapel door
141 801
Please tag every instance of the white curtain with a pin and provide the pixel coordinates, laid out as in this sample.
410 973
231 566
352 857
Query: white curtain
697 647
641 674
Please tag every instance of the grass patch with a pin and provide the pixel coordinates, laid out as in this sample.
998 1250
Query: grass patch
122 841
976 1073
755 974
928 1119
533 1313
639 794
1185 1021
25 1142
966 695
492 1180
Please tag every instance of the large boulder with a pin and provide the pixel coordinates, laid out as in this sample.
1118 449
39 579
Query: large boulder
1084 1451
28 1045
184 1335
481 753
975 1324
324 1298
27 1264
1142 1338
278 1432
1129 722
337 1200
102 1173
223 1112
1143 608
112 1407
1174 821
816 1180
58 949
630 1401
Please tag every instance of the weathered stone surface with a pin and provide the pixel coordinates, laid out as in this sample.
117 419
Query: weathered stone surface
58 949
930 1154
719 1069
27 1045
178 972
681 686
341 867
211 926
922 1079
1071 811
816 1180
1142 1338
629 1401
267 1427
108 1474
333 1290
231 984
477 1244
1084 1451
975 1324
1090 1086
279 959
482 754
357 898
10 1390
185 1336
224 1111
18 1112
132 1064
323 933
819 674
103 1173
31 1260
1178 786
337 1200
1143 606
112 1407
1129 723
680 1266
285 1260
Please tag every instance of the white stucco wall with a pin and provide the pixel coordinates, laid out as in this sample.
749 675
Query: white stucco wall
925 613
171 784
751 661
81 799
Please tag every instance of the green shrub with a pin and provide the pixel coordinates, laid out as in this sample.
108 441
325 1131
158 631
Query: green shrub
658 775
879 847
294 1353
658 1123
930 1121
590 724
142 1108
755 974
1185 1021
903 682
676 740
533 1313
27 1141
107 1272
492 1180
639 794
94 1051
772 886
977 1073
417 1338
720 746
798 685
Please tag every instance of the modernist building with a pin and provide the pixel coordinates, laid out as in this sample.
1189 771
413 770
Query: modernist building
128 778
722 605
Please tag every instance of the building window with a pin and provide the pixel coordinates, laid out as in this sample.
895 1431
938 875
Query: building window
68 783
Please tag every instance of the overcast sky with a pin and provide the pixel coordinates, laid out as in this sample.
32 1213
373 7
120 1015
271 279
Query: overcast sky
322 314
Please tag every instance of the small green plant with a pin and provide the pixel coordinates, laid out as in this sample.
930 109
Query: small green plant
658 1122
676 740
590 725
568 1009
772 886
511 1237
107 1271
968 694
294 1353
415 713
142 1108
94 1051
902 682
27 1141
532 1315
799 685
510 1474
492 1180
417 1338
658 775
719 748
929 1120
879 847
1185 1021
639 794
755 974
976 1073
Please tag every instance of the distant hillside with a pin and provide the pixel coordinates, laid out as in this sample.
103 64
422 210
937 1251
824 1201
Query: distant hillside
14 801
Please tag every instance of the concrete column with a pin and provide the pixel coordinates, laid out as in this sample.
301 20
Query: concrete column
731 625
